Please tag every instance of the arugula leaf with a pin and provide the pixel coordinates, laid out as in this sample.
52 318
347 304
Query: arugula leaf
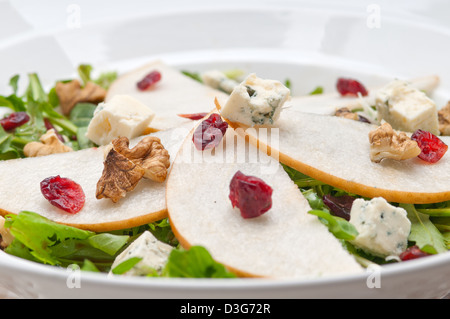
84 71
194 263
435 212
13 82
35 90
104 80
423 232
53 97
108 243
5 144
314 200
5 102
317 90
82 114
163 232
126 265
38 234
16 103
338 226
45 241
446 236
195 76
287 83
89 266
441 223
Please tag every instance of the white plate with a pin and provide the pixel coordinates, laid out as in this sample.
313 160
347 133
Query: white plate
309 42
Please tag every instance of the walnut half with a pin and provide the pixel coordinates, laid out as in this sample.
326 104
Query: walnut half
386 143
71 93
124 167
149 153
49 144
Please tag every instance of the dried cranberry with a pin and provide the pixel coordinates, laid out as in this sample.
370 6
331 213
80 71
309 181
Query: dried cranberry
432 147
194 116
50 126
339 205
250 194
210 132
350 87
412 252
63 193
149 80
14 120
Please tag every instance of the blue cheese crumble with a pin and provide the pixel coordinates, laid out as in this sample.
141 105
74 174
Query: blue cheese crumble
153 252
406 108
123 115
256 101
383 229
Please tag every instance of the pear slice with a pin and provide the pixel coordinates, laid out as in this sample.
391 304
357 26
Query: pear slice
284 242
336 151
20 188
174 94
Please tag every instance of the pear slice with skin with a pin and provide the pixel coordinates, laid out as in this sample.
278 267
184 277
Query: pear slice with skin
174 94
336 151
20 187
284 242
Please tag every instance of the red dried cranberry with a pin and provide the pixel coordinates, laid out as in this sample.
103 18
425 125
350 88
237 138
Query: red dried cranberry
63 193
432 147
339 205
412 252
14 120
194 116
50 126
149 80
250 194
350 87
210 132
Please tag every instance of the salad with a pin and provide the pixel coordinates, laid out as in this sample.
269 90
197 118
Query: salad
68 112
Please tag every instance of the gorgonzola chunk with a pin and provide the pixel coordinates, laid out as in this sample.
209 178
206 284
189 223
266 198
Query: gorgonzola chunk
383 229
123 115
406 108
255 101
153 252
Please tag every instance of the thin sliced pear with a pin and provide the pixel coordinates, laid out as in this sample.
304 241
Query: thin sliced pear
336 151
285 242
146 203
174 94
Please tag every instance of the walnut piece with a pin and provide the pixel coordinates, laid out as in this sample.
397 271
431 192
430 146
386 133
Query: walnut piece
346 113
386 143
120 175
444 120
149 153
71 93
49 144
124 167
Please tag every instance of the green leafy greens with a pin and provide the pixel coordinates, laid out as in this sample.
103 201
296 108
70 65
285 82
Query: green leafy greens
195 262
42 240
42 107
